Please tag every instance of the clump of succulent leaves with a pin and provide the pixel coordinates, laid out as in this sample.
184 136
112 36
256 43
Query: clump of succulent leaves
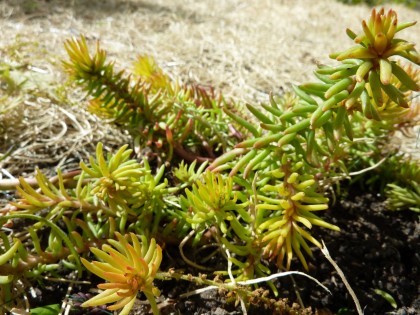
200 169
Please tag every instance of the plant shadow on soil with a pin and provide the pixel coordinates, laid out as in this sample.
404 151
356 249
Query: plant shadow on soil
376 249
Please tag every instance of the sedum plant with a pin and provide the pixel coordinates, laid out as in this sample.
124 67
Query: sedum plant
128 268
252 188
165 118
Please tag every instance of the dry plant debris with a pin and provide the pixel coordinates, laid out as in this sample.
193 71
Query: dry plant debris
245 48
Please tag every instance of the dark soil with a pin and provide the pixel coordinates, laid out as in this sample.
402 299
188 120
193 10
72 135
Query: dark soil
376 249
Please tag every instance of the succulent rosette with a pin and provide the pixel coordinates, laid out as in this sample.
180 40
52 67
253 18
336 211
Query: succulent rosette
128 268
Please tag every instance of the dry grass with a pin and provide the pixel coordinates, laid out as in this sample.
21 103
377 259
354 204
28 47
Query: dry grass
245 48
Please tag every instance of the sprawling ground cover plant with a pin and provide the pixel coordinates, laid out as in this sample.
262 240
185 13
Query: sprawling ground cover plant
200 169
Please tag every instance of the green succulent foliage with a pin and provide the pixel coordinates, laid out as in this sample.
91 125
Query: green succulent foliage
284 192
125 103
81 208
31 258
403 190
113 181
212 200
285 211
366 79
8 252
186 121
313 134
408 170
389 167
48 195
255 188
52 309
122 185
214 204
404 197
118 186
281 129
187 174
125 189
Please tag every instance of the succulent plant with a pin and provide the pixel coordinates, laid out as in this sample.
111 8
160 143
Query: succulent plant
128 269
259 184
